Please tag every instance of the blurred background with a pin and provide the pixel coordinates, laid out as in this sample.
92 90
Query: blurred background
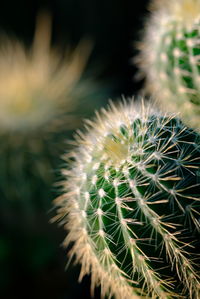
31 257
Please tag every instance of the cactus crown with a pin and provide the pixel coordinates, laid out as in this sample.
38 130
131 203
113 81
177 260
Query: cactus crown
169 58
131 204
185 11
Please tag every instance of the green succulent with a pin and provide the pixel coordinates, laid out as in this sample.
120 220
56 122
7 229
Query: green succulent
170 57
131 204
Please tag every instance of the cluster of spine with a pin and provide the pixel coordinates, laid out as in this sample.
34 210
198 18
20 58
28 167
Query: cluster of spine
170 57
131 203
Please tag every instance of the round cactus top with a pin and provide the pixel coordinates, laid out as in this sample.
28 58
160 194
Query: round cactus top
185 11
111 139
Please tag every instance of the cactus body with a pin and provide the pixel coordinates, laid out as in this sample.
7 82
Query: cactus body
131 203
170 57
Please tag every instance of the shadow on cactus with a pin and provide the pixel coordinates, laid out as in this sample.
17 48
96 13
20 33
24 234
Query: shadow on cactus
170 57
131 204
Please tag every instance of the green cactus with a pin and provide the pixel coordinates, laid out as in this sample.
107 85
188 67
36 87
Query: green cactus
170 57
131 204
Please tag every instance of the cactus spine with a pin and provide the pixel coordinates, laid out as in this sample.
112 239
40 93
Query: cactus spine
170 57
131 203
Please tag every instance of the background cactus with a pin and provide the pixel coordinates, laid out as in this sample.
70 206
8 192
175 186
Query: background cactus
170 57
43 95
131 203
40 93
45 90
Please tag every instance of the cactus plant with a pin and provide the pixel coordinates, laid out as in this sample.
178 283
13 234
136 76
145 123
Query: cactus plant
40 90
131 204
170 57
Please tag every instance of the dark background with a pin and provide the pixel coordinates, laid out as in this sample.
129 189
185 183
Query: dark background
32 260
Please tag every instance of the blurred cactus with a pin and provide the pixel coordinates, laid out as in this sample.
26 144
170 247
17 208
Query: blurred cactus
170 57
36 84
40 94
131 204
